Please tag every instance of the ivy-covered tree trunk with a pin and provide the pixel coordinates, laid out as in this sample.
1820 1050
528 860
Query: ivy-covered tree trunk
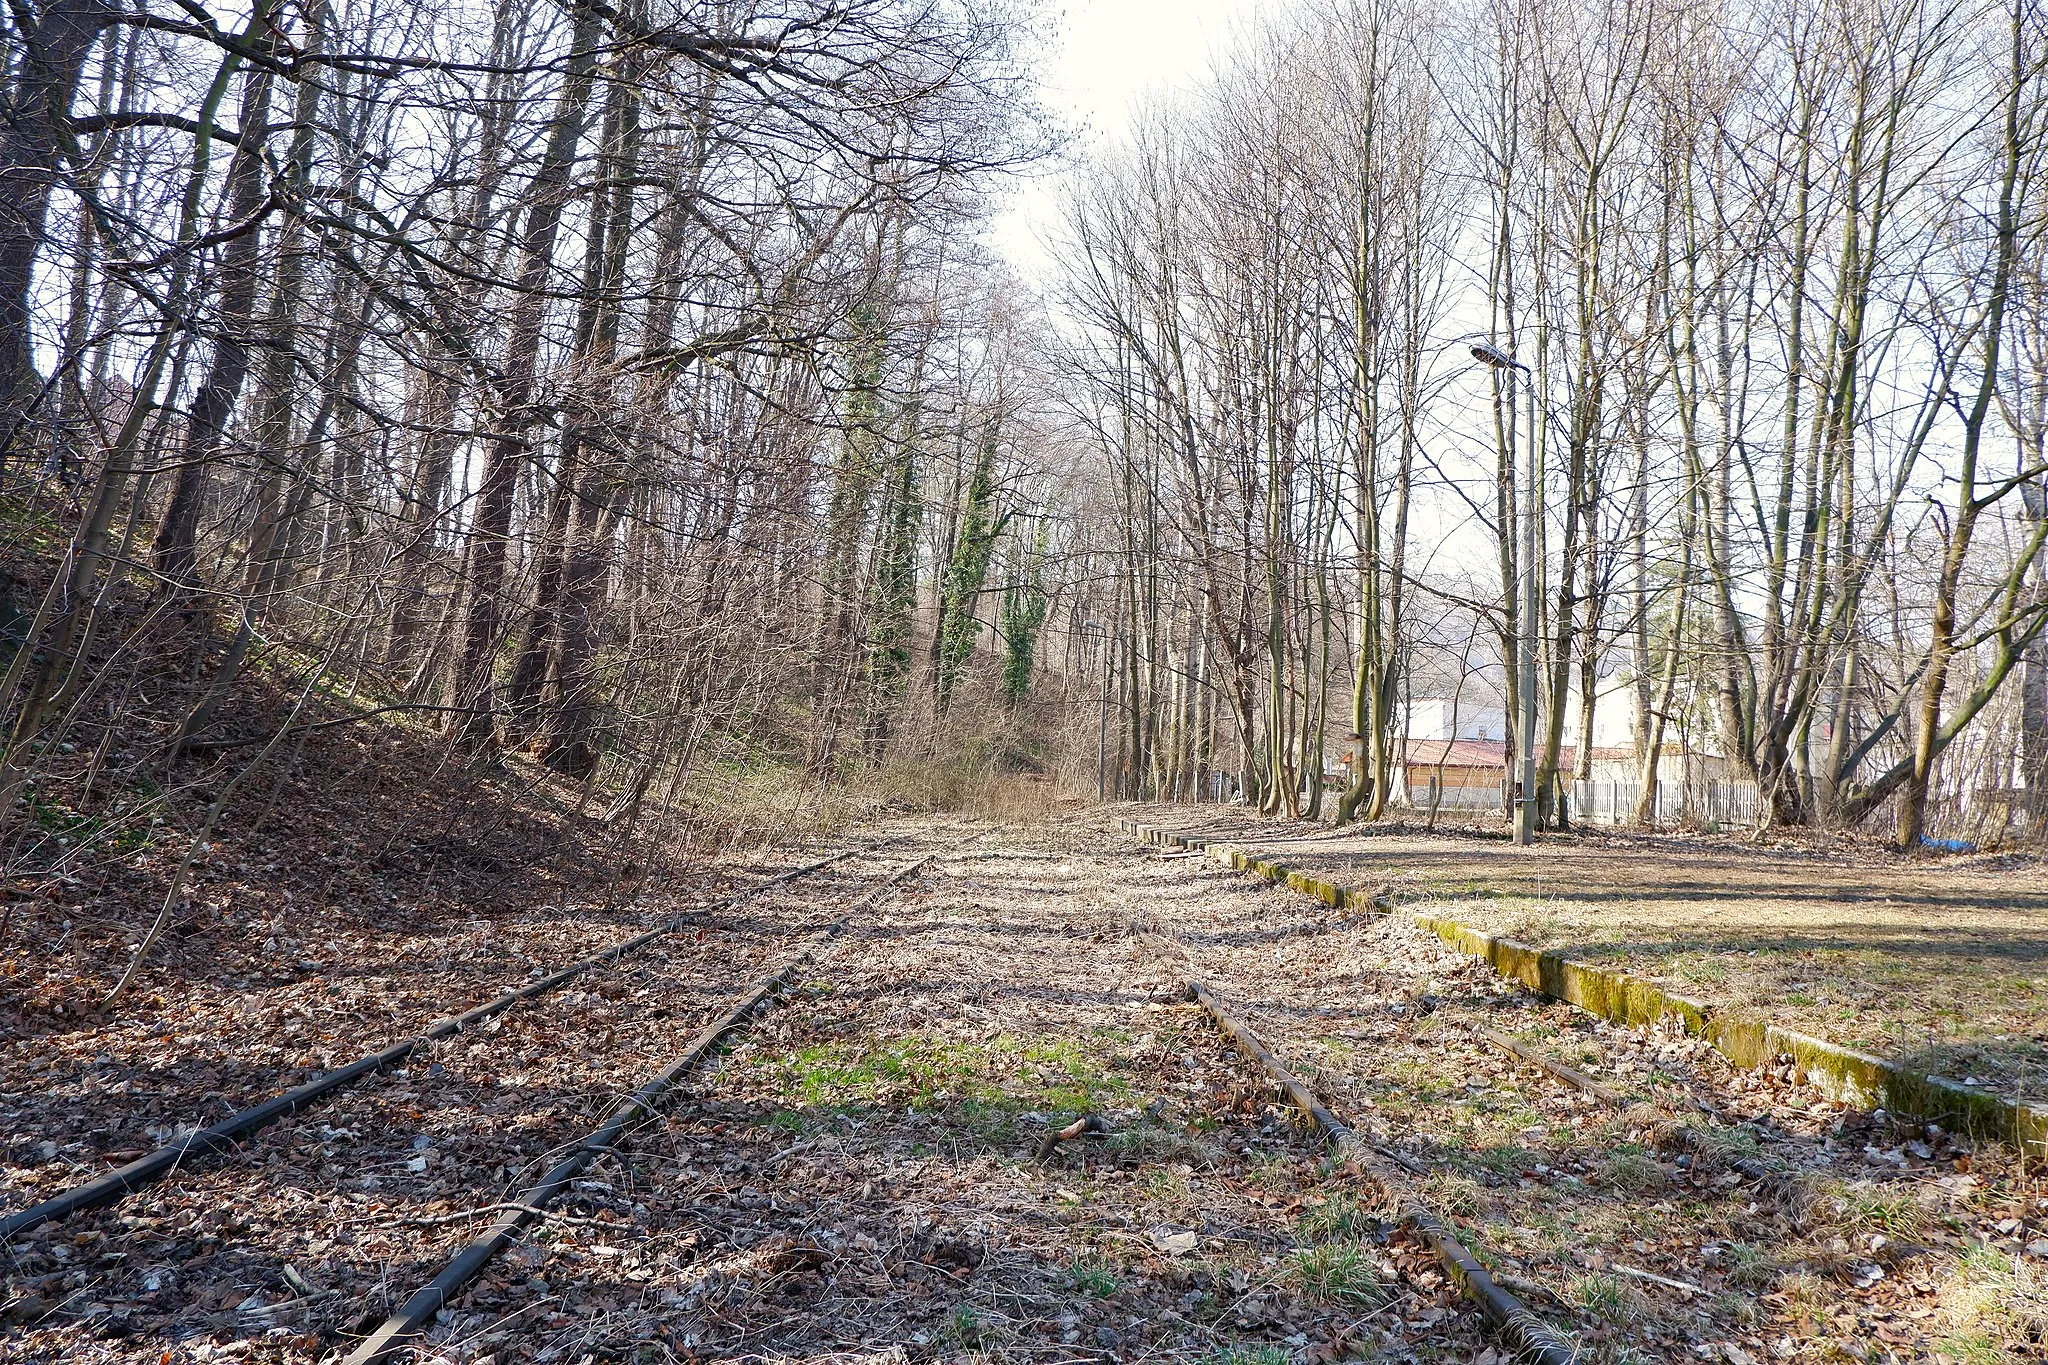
980 528
1019 620
895 591
846 521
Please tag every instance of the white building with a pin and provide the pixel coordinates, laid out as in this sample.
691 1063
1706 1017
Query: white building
1614 714
1480 717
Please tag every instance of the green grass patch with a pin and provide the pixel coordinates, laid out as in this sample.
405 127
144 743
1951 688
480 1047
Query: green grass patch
1718 1145
74 827
1094 1278
1338 1272
1337 1218
1603 1297
1630 1170
787 1121
1505 1162
1422 1084
1975 1348
1152 1143
1751 1266
1168 1185
1732 1306
990 1082
965 1327
1998 1302
1249 1355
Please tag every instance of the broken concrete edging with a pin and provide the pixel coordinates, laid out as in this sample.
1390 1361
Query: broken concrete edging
1847 1075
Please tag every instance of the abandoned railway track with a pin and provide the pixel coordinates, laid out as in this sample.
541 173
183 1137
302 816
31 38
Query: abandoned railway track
531 1204
651 1163
680 973
224 1135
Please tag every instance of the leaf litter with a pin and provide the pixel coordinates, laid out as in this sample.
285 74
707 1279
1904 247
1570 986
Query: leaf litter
857 1177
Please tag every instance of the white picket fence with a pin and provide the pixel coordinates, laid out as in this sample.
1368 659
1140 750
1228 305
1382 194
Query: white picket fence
1706 801
1456 798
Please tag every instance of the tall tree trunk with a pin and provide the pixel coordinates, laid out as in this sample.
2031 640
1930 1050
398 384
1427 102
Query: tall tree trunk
419 510
2034 670
611 227
491 531
1650 744
176 551
2017 149
34 135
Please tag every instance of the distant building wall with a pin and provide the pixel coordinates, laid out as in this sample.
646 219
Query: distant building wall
1430 718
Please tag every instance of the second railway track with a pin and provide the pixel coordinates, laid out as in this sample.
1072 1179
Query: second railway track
1628 1184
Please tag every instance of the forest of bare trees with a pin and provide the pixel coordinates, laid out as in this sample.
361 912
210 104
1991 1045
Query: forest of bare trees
634 388
602 602
621 385
1764 285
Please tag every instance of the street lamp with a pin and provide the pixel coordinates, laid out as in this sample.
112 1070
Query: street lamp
1525 805
1096 629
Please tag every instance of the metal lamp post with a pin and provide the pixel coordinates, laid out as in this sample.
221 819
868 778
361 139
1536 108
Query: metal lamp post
1525 803
1096 630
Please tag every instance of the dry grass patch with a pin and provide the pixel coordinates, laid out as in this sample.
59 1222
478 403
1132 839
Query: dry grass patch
1858 1208
1998 1305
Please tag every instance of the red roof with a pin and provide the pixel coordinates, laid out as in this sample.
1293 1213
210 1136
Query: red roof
1457 753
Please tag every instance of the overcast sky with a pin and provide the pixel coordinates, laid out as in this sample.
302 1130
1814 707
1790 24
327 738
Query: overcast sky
1106 54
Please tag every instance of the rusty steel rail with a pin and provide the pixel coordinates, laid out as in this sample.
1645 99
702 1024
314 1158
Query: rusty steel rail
1531 1339
417 1313
225 1135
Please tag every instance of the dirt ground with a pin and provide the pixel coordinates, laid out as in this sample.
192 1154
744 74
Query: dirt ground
1939 961
857 1178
